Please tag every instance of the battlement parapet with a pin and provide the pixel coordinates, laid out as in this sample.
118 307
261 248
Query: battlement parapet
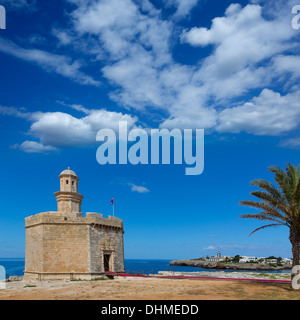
97 218
55 217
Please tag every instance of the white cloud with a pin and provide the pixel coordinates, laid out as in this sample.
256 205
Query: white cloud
183 8
210 248
253 49
64 37
268 114
192 118
35 147
134 45
61 65
94 17
245 29
63 130
244 42
16 112
287 64
77 107
292 143
230 246
19 4
137 48
56 130
139 189
37 39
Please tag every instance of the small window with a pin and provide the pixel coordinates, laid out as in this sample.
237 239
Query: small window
72 183
67 181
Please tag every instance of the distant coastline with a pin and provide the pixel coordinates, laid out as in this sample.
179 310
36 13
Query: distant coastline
15 266
228 266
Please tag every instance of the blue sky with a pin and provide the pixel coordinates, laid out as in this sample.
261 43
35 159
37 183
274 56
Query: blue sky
70 68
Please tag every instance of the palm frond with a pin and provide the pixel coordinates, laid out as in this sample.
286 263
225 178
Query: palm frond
266 226
282 179
266 207
293 176
268 187
280 203
271 200
265 216
297 195
288 182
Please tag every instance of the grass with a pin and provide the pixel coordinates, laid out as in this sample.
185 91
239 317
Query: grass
96 279
76 279
272 276
269 276
30 286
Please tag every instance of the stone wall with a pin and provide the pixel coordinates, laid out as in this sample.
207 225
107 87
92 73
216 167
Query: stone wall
34 249
66 247
106 240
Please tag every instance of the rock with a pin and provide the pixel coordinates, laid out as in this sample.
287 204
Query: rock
15 278
227 266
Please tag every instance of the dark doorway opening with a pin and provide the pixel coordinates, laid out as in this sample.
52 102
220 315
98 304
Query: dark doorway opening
106 262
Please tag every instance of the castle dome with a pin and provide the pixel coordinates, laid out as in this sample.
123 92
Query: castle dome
68 172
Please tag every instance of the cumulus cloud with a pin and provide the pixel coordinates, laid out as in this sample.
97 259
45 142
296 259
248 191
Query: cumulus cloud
35 147
268 114
63 130
136 45
248 53
287 65
192 118
231 89
56 130
244 41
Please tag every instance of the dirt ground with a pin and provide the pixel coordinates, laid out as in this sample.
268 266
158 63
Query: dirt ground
149 289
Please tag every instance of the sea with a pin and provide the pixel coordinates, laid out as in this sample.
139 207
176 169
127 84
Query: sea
16 266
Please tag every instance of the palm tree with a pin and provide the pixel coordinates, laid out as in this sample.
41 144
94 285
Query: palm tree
280 204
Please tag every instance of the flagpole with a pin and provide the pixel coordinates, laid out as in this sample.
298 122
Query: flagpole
113 205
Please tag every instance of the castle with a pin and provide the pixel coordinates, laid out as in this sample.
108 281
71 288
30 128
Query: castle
64 245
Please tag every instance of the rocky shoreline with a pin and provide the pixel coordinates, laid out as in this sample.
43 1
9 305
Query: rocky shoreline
228 266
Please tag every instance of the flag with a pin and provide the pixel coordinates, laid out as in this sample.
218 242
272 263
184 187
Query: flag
112 201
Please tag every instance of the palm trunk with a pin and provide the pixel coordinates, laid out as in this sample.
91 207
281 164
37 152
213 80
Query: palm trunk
294 239
295 252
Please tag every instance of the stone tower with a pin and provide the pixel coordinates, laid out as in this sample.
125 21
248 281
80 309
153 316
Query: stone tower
63 244
68 199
